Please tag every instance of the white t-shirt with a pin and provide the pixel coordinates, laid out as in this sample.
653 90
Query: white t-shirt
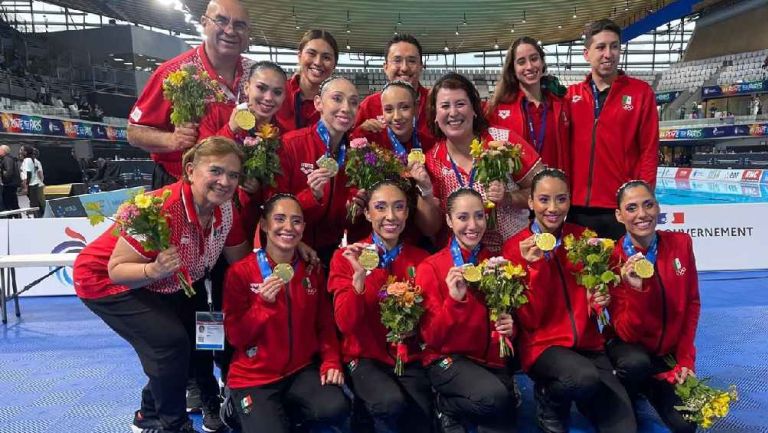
28 166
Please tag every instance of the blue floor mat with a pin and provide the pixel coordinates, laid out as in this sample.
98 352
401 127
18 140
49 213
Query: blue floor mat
62 369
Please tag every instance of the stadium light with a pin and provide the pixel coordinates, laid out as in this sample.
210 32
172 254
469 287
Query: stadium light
524 20
512 30
574 12
465 19
446 49
457 30
496 45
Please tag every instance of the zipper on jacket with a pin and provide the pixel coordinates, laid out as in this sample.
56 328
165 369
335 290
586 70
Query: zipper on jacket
663 310
568 304
591 162
287 289
327 208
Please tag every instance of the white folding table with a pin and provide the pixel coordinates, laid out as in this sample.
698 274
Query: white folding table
8 265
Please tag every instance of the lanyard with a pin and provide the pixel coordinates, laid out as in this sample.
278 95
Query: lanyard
538 139
537 230
397 146
389 256
322 131
459 178
206 258
458 259
266 270
653 248
297 119
596 97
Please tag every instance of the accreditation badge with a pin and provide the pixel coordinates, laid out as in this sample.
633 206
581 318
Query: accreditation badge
209 330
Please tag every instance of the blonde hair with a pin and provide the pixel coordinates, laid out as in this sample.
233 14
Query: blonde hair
211 146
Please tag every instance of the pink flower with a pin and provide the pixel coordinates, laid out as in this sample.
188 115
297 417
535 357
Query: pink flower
593 242
126 213
358 143
251 141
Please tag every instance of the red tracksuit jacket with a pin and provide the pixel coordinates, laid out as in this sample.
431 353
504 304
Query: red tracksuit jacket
510 116
449 327
327 218
371 108
286 118
663 316
274 340
623 144
557 312
358 316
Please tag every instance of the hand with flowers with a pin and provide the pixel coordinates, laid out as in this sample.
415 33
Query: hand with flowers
495 161
165 264
261 149
188 90
503 285
356 203
183 137
505 325
401 309
495 191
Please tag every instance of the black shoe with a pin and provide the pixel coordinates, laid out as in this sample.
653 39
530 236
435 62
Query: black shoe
186 428
446 423
227 414
194 400
145 425
551 416
211 419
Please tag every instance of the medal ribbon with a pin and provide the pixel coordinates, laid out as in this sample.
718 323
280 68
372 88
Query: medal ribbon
388 256
459 178
297 119
653 248
538 139
322 131
537 230
458 259
397 146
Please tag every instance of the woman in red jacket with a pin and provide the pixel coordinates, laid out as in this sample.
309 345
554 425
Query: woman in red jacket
318 55
655 318
265 91
473 383
559 344
312 161
278 317
456 119
396 403
529 104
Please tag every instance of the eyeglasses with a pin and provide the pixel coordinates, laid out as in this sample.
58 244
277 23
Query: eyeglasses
223 22
409 61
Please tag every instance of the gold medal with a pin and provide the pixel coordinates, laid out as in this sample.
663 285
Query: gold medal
472 273
245 120
545 241
369 259
644 268
329 164
284 271
416 155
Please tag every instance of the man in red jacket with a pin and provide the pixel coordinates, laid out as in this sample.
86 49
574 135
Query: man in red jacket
225 24
614 132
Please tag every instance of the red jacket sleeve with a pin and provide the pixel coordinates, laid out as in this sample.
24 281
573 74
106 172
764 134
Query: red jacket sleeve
349 306
686 351
236 235
648 140
216 122
294 181
329 342
244 314
441 312
152 109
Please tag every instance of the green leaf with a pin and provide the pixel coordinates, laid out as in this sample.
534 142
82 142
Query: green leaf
607 277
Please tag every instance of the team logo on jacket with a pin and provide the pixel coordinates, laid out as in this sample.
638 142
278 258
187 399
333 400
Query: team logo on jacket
575 99
626 102
307 167
308 287
679 269
503 114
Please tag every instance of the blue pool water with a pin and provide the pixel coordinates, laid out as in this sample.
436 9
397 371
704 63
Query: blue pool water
687 192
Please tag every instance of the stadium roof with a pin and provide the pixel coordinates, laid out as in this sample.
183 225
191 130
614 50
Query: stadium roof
365 25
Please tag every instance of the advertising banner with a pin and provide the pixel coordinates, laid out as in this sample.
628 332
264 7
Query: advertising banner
666 97
708 92
714 132
14 123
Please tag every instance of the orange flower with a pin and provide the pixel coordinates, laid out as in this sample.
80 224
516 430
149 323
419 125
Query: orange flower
408 298
397 289
267 131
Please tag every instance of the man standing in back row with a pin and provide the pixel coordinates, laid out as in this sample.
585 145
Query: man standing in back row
614 132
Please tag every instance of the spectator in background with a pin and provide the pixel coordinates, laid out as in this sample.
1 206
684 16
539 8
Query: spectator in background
32 178
765 63
682 112
712 111
694 110
9 172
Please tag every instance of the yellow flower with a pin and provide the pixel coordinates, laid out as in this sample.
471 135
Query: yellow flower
490 205
177 77
568 241
142 201
476 148
589 234
706 423
608 244
512 271
268 131
707 412
515 151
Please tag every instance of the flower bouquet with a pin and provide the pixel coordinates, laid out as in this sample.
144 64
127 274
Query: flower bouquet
142 216
592 256
503 285
188 89
368 164
401 309
701 402
261 158
495 161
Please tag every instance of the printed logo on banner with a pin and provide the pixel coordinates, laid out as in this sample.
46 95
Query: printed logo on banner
699 173
758 130
683 173
733 174
750 190
751 175
677 218
764 178
64 275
